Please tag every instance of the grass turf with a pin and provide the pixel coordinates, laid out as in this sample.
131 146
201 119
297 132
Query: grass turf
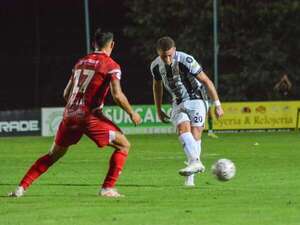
266 189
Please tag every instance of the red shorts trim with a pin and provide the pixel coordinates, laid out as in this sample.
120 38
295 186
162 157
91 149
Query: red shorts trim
96 127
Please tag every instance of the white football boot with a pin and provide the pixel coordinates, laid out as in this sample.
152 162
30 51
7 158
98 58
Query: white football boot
19 192
192 168
110 193
189 181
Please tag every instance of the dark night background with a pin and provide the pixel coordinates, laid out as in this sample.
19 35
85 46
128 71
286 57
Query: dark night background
41 41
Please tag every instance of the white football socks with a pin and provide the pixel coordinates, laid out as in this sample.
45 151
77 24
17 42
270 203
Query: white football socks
189 146
189 180
198 143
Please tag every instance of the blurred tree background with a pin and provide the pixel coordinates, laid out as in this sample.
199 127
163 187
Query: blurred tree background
259 41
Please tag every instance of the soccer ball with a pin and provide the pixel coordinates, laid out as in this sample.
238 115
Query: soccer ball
224 169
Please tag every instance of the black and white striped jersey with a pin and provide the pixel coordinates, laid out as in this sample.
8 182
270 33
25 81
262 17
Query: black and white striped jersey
180 78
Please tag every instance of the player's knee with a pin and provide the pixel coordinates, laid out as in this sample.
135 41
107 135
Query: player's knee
120 142
183 127
126 145
182 131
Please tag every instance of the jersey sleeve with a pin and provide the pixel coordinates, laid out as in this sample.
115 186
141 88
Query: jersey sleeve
71 78
155 71
191 64
115 71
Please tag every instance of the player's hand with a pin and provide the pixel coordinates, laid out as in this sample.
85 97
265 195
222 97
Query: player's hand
135 118
163 116
219 112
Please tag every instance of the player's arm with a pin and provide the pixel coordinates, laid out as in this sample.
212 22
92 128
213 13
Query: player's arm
68 89
158 95
157 89
212 92
121 100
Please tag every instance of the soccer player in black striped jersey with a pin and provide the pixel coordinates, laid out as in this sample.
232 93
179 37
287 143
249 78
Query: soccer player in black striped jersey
185 80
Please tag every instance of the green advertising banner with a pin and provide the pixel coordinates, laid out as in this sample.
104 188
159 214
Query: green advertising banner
150 121
51 118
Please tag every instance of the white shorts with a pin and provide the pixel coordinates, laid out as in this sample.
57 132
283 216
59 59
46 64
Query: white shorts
190 110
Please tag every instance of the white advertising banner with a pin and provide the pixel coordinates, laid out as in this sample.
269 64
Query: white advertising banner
51 118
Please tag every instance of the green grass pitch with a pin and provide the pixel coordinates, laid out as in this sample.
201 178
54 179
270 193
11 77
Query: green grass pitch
265 191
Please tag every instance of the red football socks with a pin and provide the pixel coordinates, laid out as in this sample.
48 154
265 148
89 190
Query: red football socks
116 165
36 170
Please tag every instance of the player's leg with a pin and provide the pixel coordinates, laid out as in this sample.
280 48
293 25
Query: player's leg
181 121
104 132
64 138
197 133
38 168
190 149
116 164
196 110
187 140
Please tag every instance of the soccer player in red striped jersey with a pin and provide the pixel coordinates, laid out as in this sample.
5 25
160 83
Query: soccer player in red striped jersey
93 76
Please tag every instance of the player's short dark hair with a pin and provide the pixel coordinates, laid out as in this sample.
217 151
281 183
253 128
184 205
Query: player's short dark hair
101 38
165 43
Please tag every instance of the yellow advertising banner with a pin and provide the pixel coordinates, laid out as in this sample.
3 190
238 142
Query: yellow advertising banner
259 115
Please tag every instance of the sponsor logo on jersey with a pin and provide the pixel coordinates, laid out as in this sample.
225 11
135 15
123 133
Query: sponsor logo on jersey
189 59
